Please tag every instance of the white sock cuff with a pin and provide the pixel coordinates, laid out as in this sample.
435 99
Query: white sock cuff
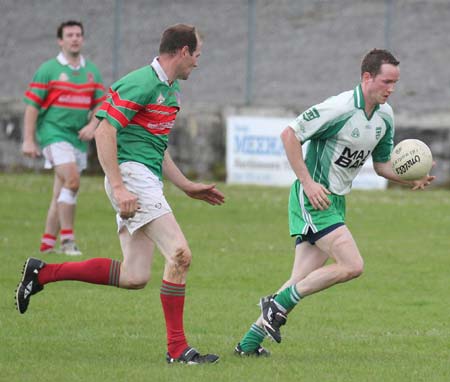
67 196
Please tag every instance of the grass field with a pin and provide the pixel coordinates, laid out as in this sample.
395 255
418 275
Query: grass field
392 324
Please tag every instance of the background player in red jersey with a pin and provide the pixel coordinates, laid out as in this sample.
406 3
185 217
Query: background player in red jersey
63 93
132 143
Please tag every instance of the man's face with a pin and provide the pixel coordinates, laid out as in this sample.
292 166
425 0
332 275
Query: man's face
189 61
381 86
72 40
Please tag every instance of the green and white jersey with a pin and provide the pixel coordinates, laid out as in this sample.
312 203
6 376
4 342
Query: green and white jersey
142 106
64 96
342 137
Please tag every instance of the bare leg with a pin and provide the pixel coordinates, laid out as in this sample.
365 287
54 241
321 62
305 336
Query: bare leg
137 252
70 178
341 247
169 238
167 235
52 223
307 259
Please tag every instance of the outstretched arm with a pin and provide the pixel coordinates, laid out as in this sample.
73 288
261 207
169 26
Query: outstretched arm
384 169
206 192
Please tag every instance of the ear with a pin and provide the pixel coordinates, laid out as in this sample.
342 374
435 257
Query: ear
366 77
185 51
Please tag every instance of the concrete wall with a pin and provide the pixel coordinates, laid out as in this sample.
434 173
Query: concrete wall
304 51
197 143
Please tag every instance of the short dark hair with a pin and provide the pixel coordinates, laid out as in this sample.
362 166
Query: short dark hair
373 60
69 23
178 36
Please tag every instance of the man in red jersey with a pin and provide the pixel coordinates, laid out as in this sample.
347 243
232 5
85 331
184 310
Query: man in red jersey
64 93
132 141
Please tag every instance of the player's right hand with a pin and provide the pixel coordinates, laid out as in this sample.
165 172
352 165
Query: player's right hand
317 195
30 149
127 202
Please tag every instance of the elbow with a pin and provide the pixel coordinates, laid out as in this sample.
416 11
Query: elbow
100 130
379 169
286 134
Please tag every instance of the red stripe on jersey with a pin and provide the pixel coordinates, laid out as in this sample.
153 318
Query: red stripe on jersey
153 126
33 97
66 98
158 131
73 105
162 108
124 103
98 100
67 84
157 116
156 119
70 89
38 85
116 114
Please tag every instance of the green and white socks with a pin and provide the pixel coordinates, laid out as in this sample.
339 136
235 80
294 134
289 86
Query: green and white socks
253 338
287 299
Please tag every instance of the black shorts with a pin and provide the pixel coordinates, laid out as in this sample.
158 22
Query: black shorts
312 237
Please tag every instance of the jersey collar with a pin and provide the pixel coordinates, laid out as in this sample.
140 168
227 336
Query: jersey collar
159 71
63 61
358 97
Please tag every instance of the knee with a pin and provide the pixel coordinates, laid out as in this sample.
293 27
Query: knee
354 270
135 281
181 259
73 183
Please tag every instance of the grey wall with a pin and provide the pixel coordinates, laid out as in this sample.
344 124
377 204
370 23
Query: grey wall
304 51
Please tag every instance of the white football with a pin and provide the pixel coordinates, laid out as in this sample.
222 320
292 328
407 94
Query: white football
411 159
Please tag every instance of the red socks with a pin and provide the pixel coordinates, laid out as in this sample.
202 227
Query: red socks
48 242
107 272
67 234
94 271
172 299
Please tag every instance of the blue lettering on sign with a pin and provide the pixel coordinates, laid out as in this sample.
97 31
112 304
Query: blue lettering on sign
258 145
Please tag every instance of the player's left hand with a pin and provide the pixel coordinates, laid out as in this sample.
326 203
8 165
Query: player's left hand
424 182
87 132
206 192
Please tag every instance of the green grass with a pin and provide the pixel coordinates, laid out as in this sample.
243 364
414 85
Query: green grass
392 324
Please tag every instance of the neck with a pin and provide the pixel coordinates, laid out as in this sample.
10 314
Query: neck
369 108
369 105
73 58
169 66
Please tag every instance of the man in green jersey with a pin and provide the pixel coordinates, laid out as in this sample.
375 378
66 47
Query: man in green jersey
64 93
132 147
342 132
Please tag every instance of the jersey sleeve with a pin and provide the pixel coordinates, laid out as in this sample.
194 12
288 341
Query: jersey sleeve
124 100
37 90
321 121
382 151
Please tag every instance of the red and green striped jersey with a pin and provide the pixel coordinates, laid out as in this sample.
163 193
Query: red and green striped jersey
64 97
142 106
